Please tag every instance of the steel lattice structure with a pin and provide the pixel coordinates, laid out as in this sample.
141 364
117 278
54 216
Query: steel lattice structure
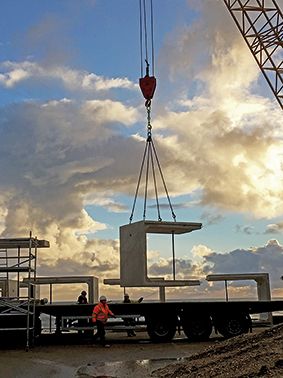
261 24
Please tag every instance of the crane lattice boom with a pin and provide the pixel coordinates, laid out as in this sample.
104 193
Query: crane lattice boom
261 24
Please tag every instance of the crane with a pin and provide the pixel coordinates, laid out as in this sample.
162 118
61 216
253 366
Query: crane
261 25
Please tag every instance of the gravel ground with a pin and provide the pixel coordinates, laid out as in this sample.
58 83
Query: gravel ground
245 356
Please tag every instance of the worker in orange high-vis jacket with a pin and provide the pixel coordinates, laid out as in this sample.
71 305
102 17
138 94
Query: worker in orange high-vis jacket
100 315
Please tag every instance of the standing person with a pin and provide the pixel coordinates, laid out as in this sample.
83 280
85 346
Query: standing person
128 300
82 299
130 321
100 316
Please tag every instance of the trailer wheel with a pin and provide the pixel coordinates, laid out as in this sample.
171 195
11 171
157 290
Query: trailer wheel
197 329
161 329
233 325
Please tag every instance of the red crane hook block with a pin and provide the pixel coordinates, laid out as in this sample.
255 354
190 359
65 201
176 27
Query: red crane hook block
147 86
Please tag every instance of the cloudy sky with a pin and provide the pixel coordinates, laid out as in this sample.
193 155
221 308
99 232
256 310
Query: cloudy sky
73 128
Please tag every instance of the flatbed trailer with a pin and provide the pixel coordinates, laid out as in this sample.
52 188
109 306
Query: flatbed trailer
162 320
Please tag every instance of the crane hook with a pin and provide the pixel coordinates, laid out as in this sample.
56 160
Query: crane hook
147 85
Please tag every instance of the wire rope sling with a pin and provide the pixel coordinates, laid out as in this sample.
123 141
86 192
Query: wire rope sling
147 84
150 161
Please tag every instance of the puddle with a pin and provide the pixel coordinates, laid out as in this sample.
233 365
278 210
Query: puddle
124 369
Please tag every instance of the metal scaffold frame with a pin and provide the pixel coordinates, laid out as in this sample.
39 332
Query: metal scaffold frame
17 311
261 25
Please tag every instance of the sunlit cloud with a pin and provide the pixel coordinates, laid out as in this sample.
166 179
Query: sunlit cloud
274 228
108 203
13 73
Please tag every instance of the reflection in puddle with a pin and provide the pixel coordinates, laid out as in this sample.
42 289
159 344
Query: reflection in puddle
123 369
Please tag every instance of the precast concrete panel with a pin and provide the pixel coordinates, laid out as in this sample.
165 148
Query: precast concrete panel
133 253
133 257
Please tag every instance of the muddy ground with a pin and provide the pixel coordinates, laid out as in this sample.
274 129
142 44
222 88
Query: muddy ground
71 357
252 355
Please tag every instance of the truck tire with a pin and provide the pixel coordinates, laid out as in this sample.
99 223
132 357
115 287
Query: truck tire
161 329
197 328
233 325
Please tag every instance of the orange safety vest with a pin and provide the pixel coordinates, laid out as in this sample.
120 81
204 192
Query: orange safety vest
100 312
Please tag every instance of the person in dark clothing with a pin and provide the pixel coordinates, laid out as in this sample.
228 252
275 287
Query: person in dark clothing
82 299
126 298
130 321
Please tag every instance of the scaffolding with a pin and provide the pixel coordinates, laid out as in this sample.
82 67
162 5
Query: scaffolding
18 258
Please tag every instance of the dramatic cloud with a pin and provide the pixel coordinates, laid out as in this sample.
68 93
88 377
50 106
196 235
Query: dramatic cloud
53 157
266 259
98 258
164 268
216 139
225 141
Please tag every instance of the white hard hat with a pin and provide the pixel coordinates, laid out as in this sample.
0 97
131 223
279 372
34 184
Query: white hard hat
102 298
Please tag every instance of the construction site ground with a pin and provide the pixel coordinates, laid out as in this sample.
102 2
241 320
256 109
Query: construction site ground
253 355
